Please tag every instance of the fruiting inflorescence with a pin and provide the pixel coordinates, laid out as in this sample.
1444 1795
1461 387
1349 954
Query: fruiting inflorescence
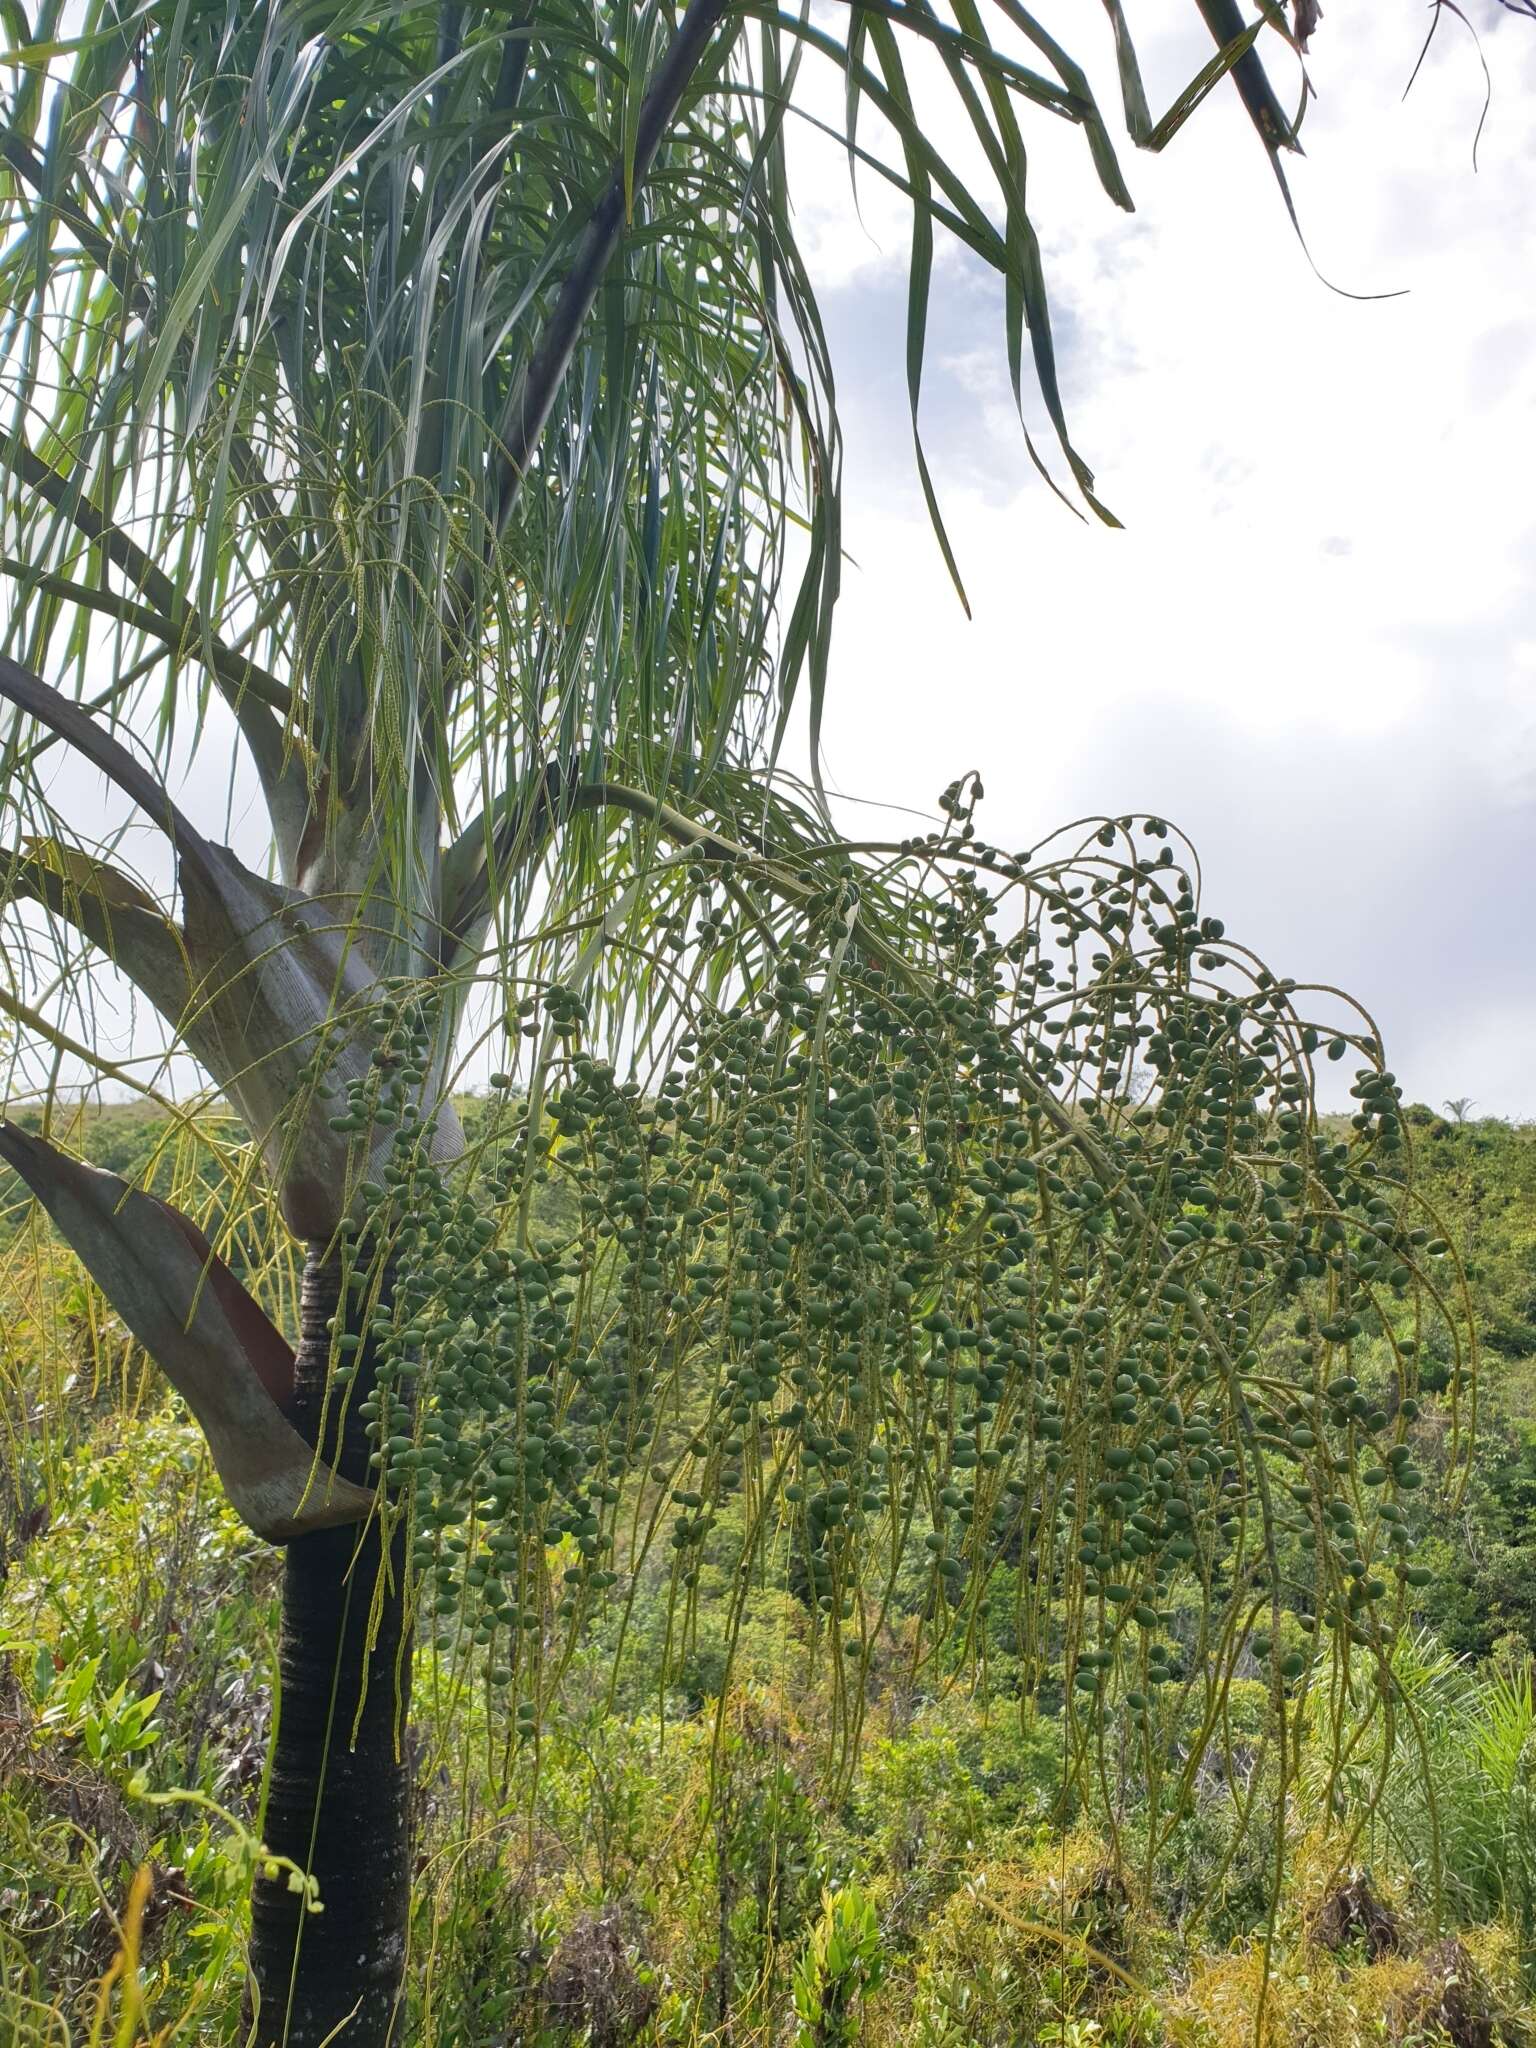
1031 1247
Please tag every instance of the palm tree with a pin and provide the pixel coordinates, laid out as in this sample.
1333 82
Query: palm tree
439 395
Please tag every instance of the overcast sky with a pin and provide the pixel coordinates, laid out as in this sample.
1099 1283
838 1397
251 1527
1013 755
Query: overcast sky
1314 644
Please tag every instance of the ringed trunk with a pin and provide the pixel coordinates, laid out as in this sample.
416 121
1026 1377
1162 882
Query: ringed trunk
338 1801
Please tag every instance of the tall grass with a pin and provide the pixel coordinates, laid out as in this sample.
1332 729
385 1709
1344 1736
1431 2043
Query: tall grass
1448 1791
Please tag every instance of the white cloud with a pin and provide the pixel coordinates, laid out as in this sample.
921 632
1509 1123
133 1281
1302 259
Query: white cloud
1312 645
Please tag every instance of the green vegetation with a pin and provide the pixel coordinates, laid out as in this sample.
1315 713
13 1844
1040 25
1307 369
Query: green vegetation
877 1486
679 1849
437 398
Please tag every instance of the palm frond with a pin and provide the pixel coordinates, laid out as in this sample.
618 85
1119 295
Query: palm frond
445 388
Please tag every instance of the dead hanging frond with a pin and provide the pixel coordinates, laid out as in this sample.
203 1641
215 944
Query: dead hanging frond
205 1332
271 989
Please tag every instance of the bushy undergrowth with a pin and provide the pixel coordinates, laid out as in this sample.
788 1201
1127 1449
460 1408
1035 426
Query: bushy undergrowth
677 1858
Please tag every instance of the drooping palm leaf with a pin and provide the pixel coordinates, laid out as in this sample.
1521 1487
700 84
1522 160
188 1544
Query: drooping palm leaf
438 384
444 391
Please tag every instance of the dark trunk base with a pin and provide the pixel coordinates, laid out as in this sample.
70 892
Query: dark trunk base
338 1803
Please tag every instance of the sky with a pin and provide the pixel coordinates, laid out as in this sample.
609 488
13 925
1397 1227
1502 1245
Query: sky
1313 645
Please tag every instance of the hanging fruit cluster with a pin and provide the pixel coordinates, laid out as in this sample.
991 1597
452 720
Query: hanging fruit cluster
1020 1240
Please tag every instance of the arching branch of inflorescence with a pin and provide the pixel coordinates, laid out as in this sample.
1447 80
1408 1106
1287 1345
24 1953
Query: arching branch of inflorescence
1026 1247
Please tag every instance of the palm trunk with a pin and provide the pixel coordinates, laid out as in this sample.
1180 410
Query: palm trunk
338 1804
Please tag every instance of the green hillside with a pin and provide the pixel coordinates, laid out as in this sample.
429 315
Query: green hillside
678 1857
